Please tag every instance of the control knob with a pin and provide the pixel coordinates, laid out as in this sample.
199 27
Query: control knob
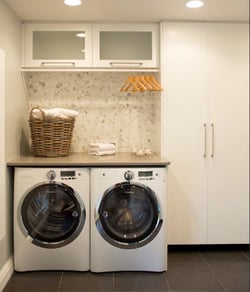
128 175
51 175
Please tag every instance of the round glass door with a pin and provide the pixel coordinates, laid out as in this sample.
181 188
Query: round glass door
128 215
52 214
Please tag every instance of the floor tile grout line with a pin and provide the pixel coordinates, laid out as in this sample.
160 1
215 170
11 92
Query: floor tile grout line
113 281
166 280
213 271
60 282
244 254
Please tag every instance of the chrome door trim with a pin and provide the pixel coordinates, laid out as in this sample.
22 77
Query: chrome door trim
136 244
45 244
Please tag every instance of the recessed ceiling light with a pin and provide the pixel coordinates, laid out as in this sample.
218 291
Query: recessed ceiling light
81 34
73 2
194 4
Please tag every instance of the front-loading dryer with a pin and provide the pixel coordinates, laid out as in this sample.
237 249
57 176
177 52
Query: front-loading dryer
128 219
51 219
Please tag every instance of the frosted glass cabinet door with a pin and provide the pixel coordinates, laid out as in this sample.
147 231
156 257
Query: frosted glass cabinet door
125 45
58 45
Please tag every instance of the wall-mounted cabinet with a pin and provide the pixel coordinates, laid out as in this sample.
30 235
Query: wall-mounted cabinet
129 45
70 45
57 45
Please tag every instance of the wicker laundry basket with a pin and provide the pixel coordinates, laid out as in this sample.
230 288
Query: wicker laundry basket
51 137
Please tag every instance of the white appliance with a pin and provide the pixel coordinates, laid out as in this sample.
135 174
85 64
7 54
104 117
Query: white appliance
128 219
51 219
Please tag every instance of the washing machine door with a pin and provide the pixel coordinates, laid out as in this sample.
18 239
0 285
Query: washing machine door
51 214
128 215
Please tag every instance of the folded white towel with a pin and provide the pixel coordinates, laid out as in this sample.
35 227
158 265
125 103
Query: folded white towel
55 112
102 152
101 146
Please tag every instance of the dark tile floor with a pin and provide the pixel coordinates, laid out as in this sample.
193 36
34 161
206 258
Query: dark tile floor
190 269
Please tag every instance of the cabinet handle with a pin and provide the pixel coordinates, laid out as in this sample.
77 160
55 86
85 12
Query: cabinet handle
58 64
212 146
126 64
205 140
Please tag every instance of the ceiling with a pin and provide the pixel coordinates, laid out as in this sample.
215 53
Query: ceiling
130 10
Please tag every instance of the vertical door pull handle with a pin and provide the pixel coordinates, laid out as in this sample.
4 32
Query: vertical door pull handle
212 146
205 140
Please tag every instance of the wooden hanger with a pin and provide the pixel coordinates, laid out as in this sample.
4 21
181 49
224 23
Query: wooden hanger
141 84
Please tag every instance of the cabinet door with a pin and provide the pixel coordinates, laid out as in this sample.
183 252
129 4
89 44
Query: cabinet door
125 45
57 45
206 73
184 114
228 178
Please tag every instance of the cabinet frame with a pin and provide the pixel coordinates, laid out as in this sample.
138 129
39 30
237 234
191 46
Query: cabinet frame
28 30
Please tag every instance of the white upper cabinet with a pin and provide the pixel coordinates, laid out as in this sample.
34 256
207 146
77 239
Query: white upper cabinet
126 45
79 45
57 45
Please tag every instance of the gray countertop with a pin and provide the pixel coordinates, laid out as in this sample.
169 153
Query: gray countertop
85 159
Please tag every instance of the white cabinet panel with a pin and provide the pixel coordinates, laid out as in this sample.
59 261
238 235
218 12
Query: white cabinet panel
205 73
185 112
228 179
125 45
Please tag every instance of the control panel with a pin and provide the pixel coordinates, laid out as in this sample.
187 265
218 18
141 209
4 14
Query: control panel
63 175
142 175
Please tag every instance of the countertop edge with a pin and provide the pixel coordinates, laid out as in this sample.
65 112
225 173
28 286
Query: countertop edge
82 159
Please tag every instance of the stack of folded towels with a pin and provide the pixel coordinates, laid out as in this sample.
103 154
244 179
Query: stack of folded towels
55 113
101 148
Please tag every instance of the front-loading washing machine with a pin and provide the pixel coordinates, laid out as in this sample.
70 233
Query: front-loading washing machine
51 219
128 219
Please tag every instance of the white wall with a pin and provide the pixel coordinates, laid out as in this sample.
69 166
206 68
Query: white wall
12 120
2 131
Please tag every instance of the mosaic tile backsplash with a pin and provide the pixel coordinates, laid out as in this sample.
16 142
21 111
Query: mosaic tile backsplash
130 119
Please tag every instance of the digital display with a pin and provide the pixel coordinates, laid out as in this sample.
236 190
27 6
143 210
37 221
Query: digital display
145 173
68 173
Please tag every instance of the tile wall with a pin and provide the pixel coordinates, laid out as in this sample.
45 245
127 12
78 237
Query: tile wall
131 119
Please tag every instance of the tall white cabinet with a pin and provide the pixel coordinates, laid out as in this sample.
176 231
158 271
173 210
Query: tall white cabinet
205 111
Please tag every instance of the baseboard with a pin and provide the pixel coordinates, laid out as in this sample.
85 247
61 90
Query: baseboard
5 273
207 247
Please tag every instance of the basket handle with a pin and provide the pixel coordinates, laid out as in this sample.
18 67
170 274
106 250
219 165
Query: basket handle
41 111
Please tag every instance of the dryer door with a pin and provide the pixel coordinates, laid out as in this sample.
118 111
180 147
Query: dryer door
128 215
52 214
